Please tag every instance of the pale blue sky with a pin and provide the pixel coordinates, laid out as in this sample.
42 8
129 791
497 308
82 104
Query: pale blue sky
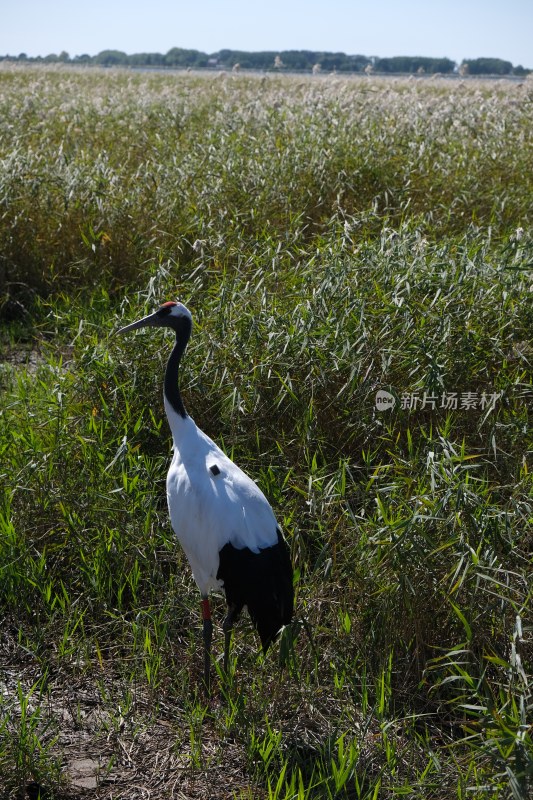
456 29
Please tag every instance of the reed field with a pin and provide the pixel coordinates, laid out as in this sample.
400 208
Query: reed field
337 240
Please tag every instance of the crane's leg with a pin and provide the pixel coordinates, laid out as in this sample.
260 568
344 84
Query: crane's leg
227 627
207 634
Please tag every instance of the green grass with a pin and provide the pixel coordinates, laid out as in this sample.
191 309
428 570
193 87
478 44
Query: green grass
332 238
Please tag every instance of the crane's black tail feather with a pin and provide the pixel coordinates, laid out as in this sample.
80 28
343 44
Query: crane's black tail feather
263 583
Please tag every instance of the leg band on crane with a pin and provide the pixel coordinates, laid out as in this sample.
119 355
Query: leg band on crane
206 609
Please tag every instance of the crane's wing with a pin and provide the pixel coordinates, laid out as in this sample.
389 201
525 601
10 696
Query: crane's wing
212 502
249 519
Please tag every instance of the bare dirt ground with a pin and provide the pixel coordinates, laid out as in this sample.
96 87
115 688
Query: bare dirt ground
107 752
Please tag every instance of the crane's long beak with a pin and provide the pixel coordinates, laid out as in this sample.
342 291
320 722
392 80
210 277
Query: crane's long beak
152 320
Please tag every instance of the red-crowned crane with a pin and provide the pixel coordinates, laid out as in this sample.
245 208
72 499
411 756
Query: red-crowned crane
222 519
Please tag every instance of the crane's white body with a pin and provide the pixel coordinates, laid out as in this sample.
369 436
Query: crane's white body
209 508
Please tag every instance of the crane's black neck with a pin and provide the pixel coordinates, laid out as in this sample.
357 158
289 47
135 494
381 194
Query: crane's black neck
172 389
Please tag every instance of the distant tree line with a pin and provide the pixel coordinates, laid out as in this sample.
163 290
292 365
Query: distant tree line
289 60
